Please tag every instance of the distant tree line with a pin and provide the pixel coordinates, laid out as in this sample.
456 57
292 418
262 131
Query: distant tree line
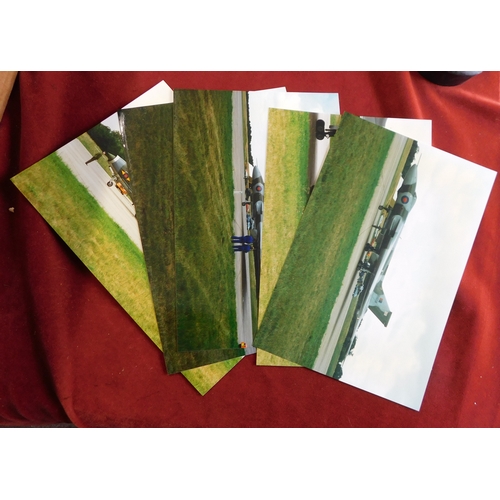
108 140
250 157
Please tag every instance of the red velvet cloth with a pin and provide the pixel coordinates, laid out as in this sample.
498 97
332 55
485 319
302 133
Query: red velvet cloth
69 353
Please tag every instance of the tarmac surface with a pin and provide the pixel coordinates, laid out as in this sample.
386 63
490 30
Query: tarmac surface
94 178
241 260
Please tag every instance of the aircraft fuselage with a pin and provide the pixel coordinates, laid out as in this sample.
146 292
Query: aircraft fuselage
372 297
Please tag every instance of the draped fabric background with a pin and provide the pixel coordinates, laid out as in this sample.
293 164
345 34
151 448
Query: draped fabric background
69 353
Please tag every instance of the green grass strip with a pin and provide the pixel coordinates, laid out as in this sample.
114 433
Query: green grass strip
203 214
286 193
101 244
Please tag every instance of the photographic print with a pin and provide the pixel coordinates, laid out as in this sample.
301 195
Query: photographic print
289 199
292 168
357 227
213 257
85 195
320 105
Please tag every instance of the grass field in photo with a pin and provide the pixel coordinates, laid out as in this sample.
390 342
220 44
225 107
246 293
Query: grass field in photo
101 244
204 213
286 195
300 306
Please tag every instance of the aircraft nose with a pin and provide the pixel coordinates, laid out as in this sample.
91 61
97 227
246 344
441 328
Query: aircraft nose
256 172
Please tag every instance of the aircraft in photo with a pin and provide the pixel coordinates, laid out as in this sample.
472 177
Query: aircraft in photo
255 194
120 178
373 267
257 197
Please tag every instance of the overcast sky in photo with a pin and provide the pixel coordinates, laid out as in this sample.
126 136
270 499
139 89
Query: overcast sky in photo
262 100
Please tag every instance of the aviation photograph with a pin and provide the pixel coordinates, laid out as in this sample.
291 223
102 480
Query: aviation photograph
284 211
421 279
83 190
213 268
260 104
397 266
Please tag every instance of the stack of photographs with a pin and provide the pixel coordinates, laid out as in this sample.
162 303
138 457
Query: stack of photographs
268 222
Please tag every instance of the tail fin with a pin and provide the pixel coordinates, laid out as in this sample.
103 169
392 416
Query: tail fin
378 305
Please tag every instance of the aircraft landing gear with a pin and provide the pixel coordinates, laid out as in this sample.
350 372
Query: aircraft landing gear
364 265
